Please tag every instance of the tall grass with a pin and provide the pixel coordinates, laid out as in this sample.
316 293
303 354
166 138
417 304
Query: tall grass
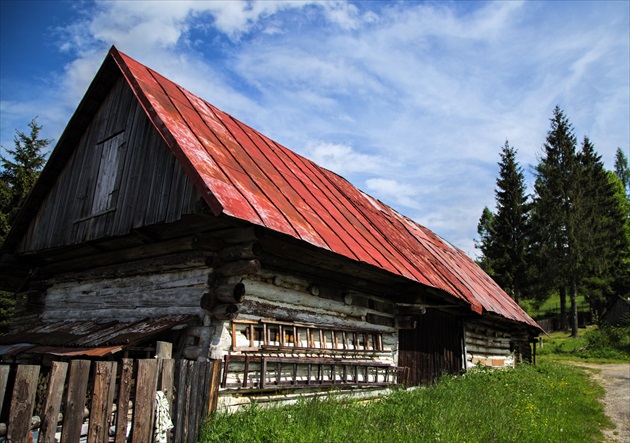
545 403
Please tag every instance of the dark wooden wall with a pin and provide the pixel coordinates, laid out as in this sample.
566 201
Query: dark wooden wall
121 176
433 348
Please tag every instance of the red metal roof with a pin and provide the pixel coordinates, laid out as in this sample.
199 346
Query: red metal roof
246 175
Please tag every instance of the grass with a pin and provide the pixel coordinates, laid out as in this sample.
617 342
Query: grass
549 402
595 345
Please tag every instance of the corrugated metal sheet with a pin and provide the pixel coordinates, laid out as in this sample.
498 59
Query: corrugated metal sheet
244 174
86 338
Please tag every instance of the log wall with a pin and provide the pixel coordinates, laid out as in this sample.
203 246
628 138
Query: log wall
294 333
128 298
488 346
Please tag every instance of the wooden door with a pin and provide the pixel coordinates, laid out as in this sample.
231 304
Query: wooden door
433 348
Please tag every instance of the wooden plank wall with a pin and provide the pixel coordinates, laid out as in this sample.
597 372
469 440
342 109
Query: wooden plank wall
433 348
148 185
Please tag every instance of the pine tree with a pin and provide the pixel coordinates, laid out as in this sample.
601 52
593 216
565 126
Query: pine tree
17 177
486 237
555 216
603 231
19 173
508 249
618 214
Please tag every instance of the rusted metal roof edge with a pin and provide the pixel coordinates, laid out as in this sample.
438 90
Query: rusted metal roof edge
86 337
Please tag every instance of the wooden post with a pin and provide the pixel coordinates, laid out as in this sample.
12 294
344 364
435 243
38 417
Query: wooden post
53 402
193 400
225 371
263 372
146 384
22 403
215 381
4 378
182 405
100 407
75 400
163 349
124 393
246 370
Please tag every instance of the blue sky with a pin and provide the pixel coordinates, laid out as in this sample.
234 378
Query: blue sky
410 101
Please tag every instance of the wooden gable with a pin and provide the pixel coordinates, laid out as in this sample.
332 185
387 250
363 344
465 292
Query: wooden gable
120 176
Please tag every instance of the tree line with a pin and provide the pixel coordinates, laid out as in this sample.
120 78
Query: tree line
571 236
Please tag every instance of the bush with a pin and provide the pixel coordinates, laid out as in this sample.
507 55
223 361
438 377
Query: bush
607 342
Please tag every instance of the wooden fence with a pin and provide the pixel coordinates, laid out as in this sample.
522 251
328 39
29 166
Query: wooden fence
103 401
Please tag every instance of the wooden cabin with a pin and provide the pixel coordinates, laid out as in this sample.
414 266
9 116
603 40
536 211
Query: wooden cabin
161 218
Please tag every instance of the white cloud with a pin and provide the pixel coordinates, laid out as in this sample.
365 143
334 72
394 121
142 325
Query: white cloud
394 191
343 159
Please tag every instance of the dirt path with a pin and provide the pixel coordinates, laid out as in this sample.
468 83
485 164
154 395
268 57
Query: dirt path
616 381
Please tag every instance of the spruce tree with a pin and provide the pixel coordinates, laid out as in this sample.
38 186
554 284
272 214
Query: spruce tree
555 217
509 248
618 216
603 229
486 237
19 172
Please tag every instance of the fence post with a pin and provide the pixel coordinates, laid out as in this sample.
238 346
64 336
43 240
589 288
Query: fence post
124 394
75 400
22 403
146 384
4 378
53 402
182 403
166 370
101 406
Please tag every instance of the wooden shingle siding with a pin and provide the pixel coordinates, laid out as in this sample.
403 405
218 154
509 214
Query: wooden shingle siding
120 177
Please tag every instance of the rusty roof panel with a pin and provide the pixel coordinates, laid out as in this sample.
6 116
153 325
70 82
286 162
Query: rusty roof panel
244 174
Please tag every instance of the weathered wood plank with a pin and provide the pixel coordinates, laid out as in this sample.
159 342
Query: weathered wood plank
166 385
215 381
146 384
196 379
109 313
100 406
22 403
160 265
273 293
4 379
124 394
182 403
54 395
75 400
